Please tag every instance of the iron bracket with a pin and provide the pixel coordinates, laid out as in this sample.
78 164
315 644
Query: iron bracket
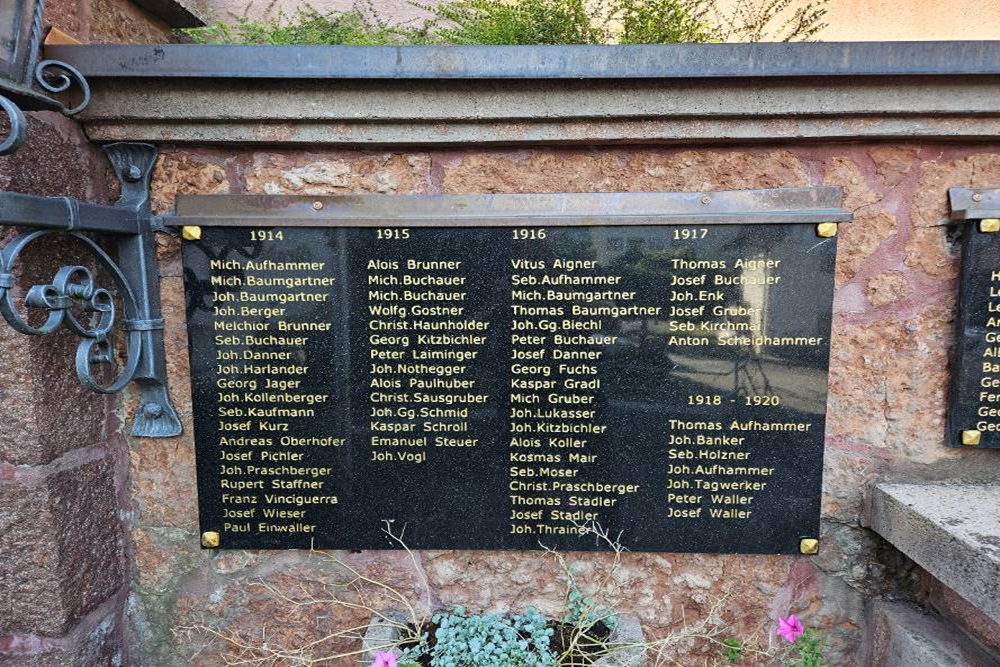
74 300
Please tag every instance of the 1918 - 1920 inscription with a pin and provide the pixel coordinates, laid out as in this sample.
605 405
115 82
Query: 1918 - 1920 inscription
508 387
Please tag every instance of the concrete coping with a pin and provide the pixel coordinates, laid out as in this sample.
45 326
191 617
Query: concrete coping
527 95
952 531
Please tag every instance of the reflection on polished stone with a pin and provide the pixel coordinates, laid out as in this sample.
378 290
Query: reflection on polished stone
503 388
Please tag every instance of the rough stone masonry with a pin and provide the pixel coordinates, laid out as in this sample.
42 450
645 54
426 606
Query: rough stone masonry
892 331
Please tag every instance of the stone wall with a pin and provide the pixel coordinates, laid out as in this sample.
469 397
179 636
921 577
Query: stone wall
892 331
106 22
62 457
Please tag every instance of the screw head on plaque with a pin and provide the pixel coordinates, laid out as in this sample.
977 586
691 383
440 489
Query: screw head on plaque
971 438
190 232
826 230
809 546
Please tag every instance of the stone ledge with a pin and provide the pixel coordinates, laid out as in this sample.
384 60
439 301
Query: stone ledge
952 531
444 96
903 636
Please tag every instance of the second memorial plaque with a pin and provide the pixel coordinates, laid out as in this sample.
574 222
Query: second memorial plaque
511 387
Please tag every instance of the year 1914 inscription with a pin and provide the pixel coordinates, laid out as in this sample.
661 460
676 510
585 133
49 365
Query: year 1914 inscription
510 387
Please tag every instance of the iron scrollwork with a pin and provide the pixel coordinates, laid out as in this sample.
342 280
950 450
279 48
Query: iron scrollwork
76 301
18 131
57 77
75 288
52 76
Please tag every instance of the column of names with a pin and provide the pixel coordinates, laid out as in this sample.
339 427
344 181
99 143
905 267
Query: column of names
270 476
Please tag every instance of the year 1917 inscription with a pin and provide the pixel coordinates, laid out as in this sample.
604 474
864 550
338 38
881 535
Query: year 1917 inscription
507 388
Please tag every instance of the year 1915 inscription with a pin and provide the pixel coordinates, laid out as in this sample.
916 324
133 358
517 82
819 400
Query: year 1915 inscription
511 387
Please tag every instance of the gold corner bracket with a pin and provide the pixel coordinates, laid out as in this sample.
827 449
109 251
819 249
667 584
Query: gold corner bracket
809 546
210 540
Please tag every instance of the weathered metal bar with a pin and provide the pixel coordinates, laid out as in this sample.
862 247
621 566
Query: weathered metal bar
560 95
855 59
779 206
133 164
65 214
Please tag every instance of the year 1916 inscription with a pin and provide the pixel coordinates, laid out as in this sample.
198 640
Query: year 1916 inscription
506 388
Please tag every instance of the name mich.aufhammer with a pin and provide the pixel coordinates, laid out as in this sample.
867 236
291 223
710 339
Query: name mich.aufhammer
263 265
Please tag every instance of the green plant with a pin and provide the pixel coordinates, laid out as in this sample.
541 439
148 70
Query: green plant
516 22
663 21
582 611
732 650
761 21
361 26
525 22
809 648
482 640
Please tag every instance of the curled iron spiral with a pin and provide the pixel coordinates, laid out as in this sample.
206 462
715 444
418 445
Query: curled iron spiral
18 126
57 77
76 287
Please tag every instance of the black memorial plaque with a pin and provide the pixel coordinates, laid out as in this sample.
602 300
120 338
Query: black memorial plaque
504 387
974 406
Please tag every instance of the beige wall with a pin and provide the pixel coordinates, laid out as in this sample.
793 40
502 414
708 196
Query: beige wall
397 10
849 20
898 20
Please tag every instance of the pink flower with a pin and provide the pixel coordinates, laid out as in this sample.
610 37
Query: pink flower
384 659
790 628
